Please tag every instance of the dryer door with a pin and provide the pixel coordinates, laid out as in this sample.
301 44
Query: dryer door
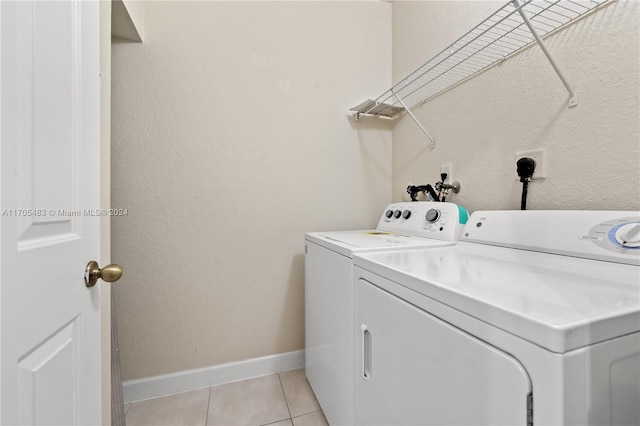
414 368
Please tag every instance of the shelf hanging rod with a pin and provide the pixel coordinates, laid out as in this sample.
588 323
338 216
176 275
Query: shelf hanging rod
433 141
573 99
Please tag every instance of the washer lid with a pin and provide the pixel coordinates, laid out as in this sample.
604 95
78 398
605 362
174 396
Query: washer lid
557 302
346 242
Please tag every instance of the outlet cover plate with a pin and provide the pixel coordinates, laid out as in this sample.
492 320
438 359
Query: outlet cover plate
539 155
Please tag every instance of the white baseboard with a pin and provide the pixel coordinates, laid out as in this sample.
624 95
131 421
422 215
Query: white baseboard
182 381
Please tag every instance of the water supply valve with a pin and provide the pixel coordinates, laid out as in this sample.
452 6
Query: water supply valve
444 188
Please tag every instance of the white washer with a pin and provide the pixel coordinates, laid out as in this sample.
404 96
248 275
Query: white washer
329 362
532 318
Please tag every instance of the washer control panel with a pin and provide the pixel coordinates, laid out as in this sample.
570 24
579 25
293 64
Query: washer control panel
443 221
612 236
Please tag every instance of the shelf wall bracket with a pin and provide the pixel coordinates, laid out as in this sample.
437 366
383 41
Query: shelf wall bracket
433 141
573 97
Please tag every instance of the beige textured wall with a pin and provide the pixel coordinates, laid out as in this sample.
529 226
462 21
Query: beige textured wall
593 150
230 140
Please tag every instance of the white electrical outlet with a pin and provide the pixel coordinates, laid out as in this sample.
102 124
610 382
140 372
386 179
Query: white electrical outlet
538 155
448 169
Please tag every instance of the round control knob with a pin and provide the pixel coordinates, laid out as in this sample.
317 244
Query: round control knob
397 214
629 235
432 215
406 214
388 214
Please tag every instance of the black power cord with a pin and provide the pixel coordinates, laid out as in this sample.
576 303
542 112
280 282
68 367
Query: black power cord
525 168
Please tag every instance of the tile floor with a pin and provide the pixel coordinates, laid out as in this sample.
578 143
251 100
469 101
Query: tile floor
283 399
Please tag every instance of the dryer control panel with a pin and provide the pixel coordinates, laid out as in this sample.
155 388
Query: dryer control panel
612 236
442 221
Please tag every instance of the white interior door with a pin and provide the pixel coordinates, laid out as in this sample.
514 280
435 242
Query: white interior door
49 181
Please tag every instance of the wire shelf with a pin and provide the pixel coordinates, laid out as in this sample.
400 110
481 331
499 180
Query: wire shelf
508 30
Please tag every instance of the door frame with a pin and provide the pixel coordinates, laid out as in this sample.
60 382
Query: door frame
105 202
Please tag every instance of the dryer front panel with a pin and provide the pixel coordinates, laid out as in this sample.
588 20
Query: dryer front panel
413 368
328 338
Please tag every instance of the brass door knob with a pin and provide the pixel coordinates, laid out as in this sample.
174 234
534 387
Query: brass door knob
109 273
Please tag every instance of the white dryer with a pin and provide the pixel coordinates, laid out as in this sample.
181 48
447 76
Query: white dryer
533 318
329 362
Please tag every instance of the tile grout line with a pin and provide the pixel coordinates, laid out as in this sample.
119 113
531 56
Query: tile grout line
285 397
206 417
306 414
277 421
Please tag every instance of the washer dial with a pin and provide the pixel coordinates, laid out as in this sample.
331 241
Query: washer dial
618 235
432 215
628 235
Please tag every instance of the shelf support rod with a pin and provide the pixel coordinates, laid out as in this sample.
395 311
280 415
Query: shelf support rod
433 141
573 99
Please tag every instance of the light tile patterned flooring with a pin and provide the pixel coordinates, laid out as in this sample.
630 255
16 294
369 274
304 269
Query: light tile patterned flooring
283 399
